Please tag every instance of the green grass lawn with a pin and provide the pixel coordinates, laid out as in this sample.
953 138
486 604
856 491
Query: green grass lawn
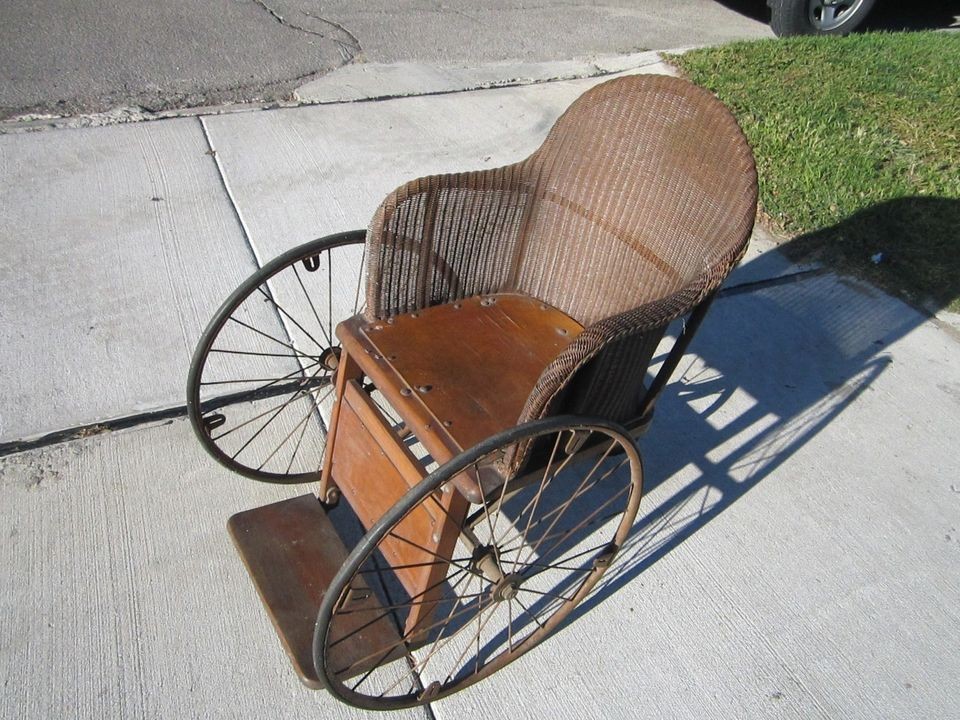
857 142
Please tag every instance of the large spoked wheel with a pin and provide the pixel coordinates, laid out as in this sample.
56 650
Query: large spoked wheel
525 557
261 381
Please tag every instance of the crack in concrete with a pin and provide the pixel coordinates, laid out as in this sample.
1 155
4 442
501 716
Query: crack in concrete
353 38
350 51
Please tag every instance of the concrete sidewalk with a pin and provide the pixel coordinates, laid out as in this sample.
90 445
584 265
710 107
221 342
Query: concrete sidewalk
797 553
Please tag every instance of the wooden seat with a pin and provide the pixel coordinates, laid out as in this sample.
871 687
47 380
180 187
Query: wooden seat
461 372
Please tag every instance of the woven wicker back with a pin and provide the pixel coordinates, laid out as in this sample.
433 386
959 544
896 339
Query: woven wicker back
641 186
637 205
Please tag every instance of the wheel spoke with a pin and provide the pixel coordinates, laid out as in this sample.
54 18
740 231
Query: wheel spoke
261 354
545 594
466 648
573 497
302 392
527 611
565 560
287 345
296 447
419 667
398 643
312 308
408 566
269 381
536 498
292 319
264 426
356 297
303 422
567 533
329 295
383 615
546 516
426 550
401 606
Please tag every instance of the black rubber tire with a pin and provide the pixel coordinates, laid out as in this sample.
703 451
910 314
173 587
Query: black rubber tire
599 483
798 17
198 408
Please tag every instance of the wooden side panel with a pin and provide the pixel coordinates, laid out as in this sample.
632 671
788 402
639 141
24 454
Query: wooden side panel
348 370
364 467
373 470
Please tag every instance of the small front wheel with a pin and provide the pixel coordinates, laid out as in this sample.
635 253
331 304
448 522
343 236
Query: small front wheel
525 557
818 17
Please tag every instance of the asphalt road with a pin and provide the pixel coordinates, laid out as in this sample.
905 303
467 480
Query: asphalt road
74 56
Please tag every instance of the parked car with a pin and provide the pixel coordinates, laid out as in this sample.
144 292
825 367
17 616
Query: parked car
817 17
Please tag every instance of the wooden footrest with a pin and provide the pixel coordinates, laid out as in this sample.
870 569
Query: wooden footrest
292 552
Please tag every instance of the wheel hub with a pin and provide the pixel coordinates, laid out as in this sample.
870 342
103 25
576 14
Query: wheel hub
507 588
330 358
485 564
830 14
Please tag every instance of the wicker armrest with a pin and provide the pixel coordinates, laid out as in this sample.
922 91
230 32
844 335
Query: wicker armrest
445 237
627 341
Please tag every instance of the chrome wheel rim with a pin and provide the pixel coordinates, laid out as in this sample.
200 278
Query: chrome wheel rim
826 16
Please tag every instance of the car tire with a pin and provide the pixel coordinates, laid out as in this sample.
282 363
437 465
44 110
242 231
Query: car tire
818 17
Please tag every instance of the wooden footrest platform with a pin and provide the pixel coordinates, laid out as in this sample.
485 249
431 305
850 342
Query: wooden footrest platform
292 552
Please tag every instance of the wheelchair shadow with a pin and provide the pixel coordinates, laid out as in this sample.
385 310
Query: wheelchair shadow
772 366
775 363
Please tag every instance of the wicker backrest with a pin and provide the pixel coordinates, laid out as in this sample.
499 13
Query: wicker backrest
637 205
639 191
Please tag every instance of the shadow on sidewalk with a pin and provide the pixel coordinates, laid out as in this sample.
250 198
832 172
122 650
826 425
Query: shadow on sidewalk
773 367
912 237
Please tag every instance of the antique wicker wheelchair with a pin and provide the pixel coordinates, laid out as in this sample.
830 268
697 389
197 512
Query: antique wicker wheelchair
476 400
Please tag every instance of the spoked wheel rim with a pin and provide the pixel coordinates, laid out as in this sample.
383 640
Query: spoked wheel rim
261 379
826 15
531 556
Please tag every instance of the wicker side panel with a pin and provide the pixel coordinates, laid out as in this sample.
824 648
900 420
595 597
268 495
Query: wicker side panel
443 238
620 364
